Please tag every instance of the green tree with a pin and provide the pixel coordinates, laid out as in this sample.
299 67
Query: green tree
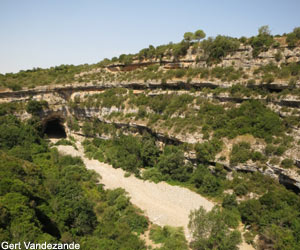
277 237
219 47
287 163
291 39
35 107
149 152
251 211
199 34
171 164
264 31
207 151
263 41
205 181
229 201
210 231
297 32
188 36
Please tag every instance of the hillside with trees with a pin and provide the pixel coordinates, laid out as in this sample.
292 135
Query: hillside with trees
217 115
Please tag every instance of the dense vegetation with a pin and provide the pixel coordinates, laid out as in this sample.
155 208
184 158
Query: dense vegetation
35 77
170 238
11 108
48 197
131 154
211 230
275 215
219 47
181 114
189 113
293 37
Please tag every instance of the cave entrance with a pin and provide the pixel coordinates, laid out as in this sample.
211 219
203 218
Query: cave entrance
54 129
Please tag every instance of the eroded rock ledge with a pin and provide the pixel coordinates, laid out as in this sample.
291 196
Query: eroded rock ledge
58 97
289 178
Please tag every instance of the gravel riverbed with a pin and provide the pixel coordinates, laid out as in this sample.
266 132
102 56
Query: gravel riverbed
162 203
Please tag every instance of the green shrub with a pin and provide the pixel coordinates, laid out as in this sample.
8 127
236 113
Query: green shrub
63 142
207 151
232 217
37 76
219 47
287 163
274 161
270 149
229 201
206 182
153 174
171 164
209 230
240 153
241 189
278 56
262 42
291 39
141 113
280 150
169 237
35 107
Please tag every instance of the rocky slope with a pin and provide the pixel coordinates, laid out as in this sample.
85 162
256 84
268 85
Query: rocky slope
59 108
278 94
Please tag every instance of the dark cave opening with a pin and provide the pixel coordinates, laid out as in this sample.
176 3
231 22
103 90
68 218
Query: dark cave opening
54 129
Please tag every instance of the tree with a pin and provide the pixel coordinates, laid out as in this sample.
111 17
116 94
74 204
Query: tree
210 231
34 107
171 163
291 39
149 152
219 47
207 151
264 30
277 238
251 211
263 41
229 201
199 34
188 36
205 181
297 32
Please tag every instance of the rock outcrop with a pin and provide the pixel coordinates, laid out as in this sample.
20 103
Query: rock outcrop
60 96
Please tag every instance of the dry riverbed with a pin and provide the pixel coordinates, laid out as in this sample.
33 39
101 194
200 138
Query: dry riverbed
162 203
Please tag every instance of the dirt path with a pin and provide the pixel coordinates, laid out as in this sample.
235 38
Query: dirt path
162 203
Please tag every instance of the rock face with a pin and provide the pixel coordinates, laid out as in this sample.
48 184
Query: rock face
241 58
289 178
59 109
59 97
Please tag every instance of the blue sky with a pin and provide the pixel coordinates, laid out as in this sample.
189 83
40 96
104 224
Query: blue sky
44 33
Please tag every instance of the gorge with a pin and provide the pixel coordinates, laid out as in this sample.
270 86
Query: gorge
217 118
